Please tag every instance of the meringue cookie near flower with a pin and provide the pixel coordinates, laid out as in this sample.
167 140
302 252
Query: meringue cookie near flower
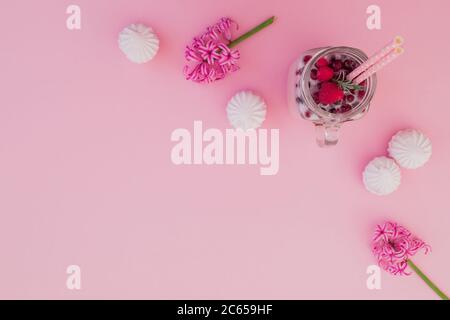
410 148
382 176
246 110
139 43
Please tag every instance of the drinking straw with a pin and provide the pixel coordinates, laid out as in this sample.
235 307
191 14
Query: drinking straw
380 64
397 42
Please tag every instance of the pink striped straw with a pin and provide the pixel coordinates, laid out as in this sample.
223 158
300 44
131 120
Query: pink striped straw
380 64
397 42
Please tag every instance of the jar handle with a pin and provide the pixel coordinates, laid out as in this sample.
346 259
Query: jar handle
327 135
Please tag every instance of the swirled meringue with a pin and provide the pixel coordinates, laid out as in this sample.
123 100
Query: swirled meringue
382 176
410 148
139 43
246 110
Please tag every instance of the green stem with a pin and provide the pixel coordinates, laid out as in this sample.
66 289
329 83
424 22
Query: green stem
427 280
347 85
248 34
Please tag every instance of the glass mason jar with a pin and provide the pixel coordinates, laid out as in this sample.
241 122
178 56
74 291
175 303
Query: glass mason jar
304 101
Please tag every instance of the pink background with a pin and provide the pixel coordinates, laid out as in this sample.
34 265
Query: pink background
86 176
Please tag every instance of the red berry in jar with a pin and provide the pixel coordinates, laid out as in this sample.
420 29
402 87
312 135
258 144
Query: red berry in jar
337 65
361 94
322 62
350 64
313 74
325 74
345 108
316 97
349 98
330 93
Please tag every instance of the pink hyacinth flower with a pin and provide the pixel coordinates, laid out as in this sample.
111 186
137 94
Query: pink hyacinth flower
211 56
207 53
393 246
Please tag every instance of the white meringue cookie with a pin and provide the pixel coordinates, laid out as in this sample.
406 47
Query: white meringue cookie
382 176
246 110
410 148
139 43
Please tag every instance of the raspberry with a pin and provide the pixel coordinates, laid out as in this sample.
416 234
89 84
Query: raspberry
322 62
324 74
330 93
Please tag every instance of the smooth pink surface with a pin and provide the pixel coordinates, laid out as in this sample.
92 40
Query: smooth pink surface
86 176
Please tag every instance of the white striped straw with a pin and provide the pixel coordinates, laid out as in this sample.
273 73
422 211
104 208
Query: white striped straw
397 42
379 65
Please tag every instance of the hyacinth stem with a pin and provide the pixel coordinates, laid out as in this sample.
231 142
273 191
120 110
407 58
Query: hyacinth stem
250 33
427 280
